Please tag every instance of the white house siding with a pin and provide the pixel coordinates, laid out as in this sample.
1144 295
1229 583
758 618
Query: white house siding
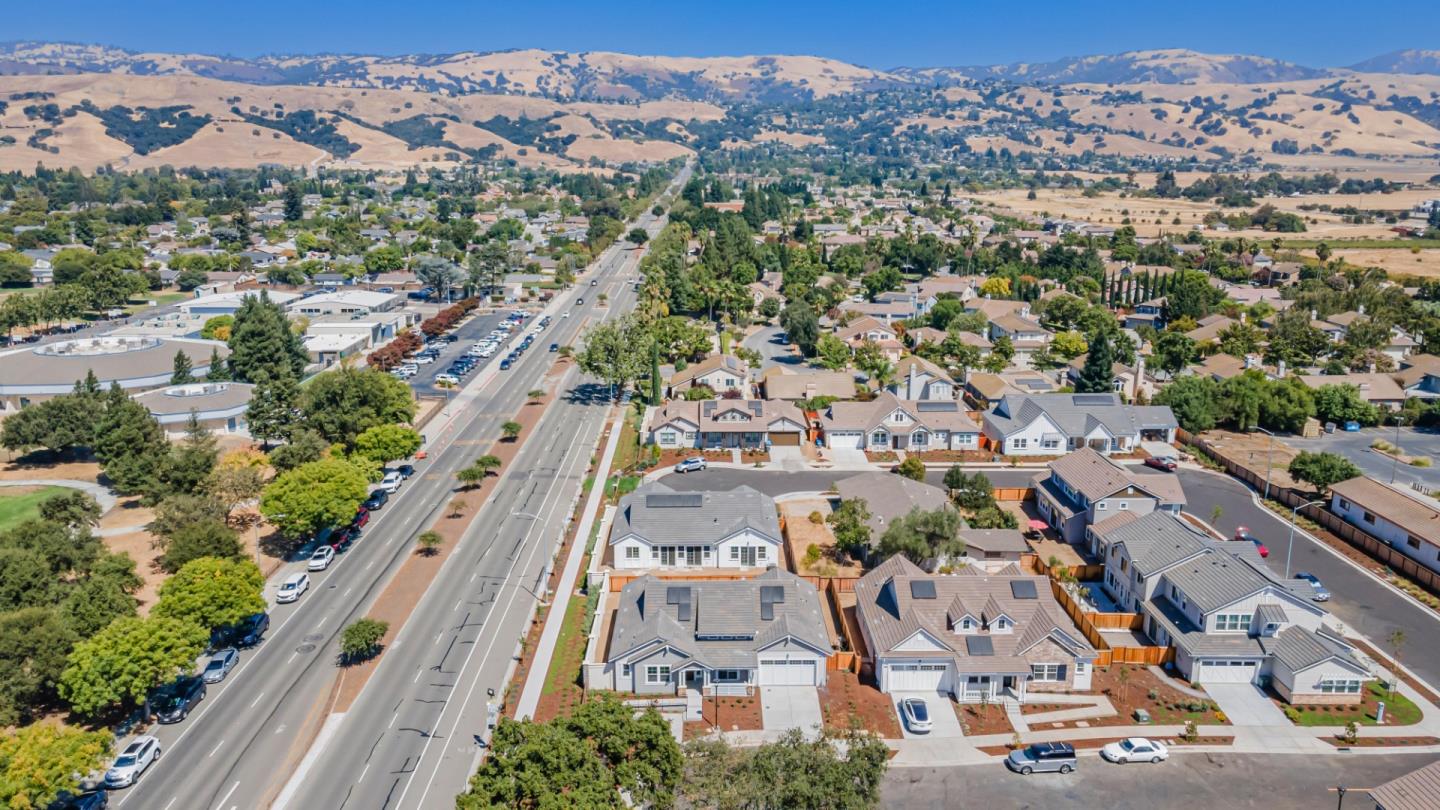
675 435
711 555
1304 686
727 550
916 675
1300 612
1425 550
664 657
800 661
1028 441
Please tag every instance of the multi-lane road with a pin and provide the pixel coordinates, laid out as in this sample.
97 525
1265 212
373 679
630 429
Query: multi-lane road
408 740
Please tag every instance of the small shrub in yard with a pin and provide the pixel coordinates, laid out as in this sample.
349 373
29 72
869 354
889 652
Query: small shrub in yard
1352 733
1153 694
817 518
1292 714
1420 461
812 554
1191 732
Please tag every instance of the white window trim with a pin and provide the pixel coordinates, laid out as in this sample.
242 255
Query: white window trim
1045 673
657 674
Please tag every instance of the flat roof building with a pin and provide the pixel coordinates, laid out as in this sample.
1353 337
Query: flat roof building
135 363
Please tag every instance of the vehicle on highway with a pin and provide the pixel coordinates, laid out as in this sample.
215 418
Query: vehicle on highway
690 464
1165 463
594 282
1321 593
421 294
405 470
917 715
1045 757
1135 749
220 665
174 701
376 500
505 364
362 516
554 347
94 800
247 633
566 314
321 559
340 540
293 587
391 482
133 761
579 302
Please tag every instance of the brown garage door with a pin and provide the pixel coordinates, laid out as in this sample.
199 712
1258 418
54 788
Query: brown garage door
785 439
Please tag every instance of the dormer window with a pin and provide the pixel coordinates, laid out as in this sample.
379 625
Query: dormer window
1002 625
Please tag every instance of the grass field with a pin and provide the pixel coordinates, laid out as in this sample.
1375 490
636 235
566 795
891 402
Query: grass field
19 504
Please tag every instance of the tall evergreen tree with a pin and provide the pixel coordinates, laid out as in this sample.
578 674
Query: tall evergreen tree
219 370
181 374
1096 376
191 460
130 444
261 338
294 207
273 410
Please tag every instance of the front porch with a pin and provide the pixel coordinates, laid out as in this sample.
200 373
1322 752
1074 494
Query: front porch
702 680
726 440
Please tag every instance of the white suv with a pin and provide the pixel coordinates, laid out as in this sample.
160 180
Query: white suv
293 587
133 761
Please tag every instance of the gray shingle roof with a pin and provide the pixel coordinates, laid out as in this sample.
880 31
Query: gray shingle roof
1215 580
889 496
1298 648
1157 541
1079 414
1413 791
653 513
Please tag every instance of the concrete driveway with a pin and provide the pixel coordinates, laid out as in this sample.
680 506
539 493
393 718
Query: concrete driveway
789 459
942 715
1246 705
787 707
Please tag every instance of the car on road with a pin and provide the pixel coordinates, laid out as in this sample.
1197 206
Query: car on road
293 587
447 379
1243 533
391 482
554 347
1165 463
917 715
175 700
376 500
564 314
1352 426
1135 749
405 470
220 665
505 364
94 800
138 756
321 559
1045 757
579 302
246 633
1321 593
690 464
362 516
594 282
423 359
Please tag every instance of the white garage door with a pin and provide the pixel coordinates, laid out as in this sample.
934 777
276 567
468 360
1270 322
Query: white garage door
1234 671
917 678
780 672
847 439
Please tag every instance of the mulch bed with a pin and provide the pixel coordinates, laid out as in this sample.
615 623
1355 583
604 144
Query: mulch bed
958 456
735 714
1041 708
1216 740
846 702
1168 707
880 458
1382 742
988 720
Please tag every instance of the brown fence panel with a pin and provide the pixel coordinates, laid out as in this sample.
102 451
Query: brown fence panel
1014 494
1148 656
1116 621
846 661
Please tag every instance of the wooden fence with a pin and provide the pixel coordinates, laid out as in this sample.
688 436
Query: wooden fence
1089 623
1015 494
1082 573
843 661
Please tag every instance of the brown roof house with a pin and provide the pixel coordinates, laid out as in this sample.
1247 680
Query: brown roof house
970 635
1404 520
778 383
889 423
718 372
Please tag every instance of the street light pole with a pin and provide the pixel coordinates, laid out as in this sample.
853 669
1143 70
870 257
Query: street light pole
1395 460
1290 543
1269 454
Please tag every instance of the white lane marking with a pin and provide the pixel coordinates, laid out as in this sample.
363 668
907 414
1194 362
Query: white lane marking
439 636
369 565
171 802
347 591
291 658
392 720
457 604
215 749
416 679
226 797
363 771
256 700
322 621
474 575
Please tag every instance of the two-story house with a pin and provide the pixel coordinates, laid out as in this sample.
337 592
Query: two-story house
656 527
1147 313
1137 548
918 378
727 423
1084 488
970 635
888 423
1026 336
720 373
1052 424
1405 520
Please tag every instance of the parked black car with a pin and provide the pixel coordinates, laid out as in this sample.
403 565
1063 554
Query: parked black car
94 800
175 701
247 633
376 500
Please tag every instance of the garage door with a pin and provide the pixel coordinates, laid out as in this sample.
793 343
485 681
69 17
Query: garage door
1234 671
785 439
917 678
847 439
779 672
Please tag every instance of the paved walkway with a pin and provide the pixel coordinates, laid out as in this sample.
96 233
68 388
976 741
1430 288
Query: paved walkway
100 493
1086 707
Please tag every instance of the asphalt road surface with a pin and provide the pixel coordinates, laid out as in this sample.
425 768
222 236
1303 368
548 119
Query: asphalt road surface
238 748
467 335
773 351
1356 447
1184 782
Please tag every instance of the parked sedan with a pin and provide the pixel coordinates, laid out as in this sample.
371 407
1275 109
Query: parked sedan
1135 749
220 665
321 559
133 761
1161 463
179 698
376 500
362 516
1322 594
1242 533
293 587
917 715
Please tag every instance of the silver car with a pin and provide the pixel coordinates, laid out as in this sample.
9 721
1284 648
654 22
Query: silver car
220 664
1042 758
133 761
917 715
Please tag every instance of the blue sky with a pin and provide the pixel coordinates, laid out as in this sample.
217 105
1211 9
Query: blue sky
877 33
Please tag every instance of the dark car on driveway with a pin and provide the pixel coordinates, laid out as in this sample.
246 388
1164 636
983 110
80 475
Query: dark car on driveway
176 700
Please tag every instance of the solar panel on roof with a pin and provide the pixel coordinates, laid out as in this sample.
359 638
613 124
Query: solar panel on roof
672 500
1034 384
1090 400
682 611
1023 589
772 594
756 408
937 406
676 595
922 589
767 611
979 645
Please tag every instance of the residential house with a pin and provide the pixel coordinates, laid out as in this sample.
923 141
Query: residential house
1380 390
1084 488
671 636
720 373
889 497
888 423
1026 336
1136 548
1417 790
656 527
866 328
1147 313
1231 620
1130 382
1279 274
1419 376
1404 520
726 423
970 635
918 378
1053 424
1210 328
798 386
985 390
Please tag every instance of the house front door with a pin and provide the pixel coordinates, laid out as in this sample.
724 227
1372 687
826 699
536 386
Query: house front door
667 555
694 678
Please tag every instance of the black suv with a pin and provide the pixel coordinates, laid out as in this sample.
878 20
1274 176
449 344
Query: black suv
245 634
174 702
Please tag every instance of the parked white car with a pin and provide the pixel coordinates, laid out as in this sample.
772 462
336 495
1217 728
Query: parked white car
133 761
1135 749
391 482
321 559
293 587
422 359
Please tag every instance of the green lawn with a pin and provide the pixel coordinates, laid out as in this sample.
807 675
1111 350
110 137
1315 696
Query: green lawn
18 508
1399 711
624 485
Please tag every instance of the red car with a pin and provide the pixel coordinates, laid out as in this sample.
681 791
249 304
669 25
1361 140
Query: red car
342 539
1166 464
1244 534
361 518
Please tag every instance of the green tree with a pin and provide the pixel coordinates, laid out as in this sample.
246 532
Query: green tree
588 758
510 430
33 645
130 444
261 339
120 664
274 409
1287 404
1342 403
802 326
478 470
912 467
1322 470
955 478
58 425
203 539
792 772
305 446
832 353
1242 397
1194 400
40 762
617 351
190 461
315 495
343 403
182 369
360 641
386 443
922 536
211 592
850 523
72 508
429 542
294 207
1174 351
1097 375
218 327
218 369
637 236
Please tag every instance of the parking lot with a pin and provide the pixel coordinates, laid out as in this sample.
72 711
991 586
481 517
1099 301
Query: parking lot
472 332
1356 447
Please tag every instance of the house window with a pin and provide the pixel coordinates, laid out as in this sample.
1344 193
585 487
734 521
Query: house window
667 437
1101 506
1412 541
1124 505
967 624
734 552
760 552
632 552
878 437
689 436
727 676
1019 444
1046 672
654 552
1340 686
1002 624
1344 504
624 670
1124 566
1368 518
655 675
920 439
1050 444
1231 622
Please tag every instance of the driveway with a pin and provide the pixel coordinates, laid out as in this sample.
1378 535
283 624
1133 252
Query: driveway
1246 705
790 459
773 349
787 707
942 715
